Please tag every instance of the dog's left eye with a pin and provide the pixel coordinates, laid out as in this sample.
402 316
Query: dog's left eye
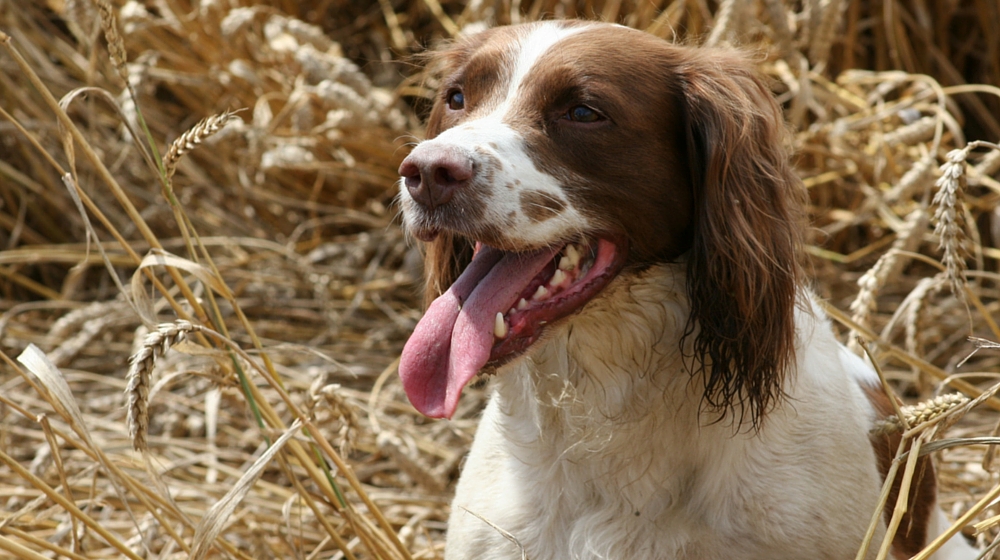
456 101
583 114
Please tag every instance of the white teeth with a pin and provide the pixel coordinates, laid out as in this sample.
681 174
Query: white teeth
573 255
511 310
499 326
558 278
522 304
540 293
565 264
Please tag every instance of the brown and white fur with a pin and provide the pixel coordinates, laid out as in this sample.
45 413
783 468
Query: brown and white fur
698 405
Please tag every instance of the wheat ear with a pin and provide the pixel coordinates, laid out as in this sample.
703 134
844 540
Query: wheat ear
950 218
921 412
116 45
192 138
140 368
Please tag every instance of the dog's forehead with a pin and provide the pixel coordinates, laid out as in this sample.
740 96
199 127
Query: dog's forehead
536 43
511 53
498 64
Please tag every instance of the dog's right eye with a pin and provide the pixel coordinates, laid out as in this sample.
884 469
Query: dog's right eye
456 100
583 114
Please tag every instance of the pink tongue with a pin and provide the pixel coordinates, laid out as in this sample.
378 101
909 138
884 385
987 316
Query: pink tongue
452 342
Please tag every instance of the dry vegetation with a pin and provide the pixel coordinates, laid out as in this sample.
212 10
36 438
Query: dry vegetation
198 347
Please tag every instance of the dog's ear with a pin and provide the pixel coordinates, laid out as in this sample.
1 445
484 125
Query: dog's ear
444 260
743 268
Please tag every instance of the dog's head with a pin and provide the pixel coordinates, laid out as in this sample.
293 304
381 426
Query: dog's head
560 154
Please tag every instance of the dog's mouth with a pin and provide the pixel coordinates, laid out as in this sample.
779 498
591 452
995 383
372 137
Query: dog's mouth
496 310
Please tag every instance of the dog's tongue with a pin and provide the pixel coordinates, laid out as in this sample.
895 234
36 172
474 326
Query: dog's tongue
452 341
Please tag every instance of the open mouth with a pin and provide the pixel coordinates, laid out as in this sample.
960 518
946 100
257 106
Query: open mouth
496 309
570 279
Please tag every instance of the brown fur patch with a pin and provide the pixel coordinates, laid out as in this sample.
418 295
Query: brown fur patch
912 533
539 206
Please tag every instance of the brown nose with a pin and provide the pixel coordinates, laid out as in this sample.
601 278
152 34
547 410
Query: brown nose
432 174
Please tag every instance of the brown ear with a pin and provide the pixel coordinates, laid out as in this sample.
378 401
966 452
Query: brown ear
444 260
743 268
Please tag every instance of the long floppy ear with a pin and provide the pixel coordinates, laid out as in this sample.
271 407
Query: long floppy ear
743 268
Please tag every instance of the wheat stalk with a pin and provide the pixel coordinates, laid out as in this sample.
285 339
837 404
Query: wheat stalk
726 22
916 177
778 17
192 138
71 346
917 131
408 460
989 164
140 368
888 266
77 317
913 316
819 50
350 425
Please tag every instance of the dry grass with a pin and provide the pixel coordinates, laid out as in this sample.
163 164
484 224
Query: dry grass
232 309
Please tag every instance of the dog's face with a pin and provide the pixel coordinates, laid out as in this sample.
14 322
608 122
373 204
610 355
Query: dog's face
561 154
548 134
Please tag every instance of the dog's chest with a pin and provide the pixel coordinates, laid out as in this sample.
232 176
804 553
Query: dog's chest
596 447
592 446
647 490
627 490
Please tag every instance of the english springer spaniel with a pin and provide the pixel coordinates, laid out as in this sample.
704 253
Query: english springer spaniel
613 229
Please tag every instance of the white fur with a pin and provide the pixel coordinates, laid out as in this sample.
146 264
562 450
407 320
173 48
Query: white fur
532 47
594 447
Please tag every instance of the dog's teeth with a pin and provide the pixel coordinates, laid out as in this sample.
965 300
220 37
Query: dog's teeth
573 255
565 263
511 310
540 293
499 326
522 303
558 278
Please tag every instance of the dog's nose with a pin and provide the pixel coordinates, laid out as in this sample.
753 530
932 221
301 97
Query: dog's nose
433 174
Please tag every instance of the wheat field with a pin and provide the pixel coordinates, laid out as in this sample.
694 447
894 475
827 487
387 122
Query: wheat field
204 286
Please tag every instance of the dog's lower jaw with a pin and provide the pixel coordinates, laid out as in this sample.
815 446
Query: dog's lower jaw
613 458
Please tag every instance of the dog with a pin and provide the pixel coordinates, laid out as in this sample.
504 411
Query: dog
612 227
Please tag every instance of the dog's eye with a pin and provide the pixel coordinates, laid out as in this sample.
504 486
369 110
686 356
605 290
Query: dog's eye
456 101
583 114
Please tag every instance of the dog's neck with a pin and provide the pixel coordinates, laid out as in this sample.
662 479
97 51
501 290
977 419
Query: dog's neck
604 417
610 375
